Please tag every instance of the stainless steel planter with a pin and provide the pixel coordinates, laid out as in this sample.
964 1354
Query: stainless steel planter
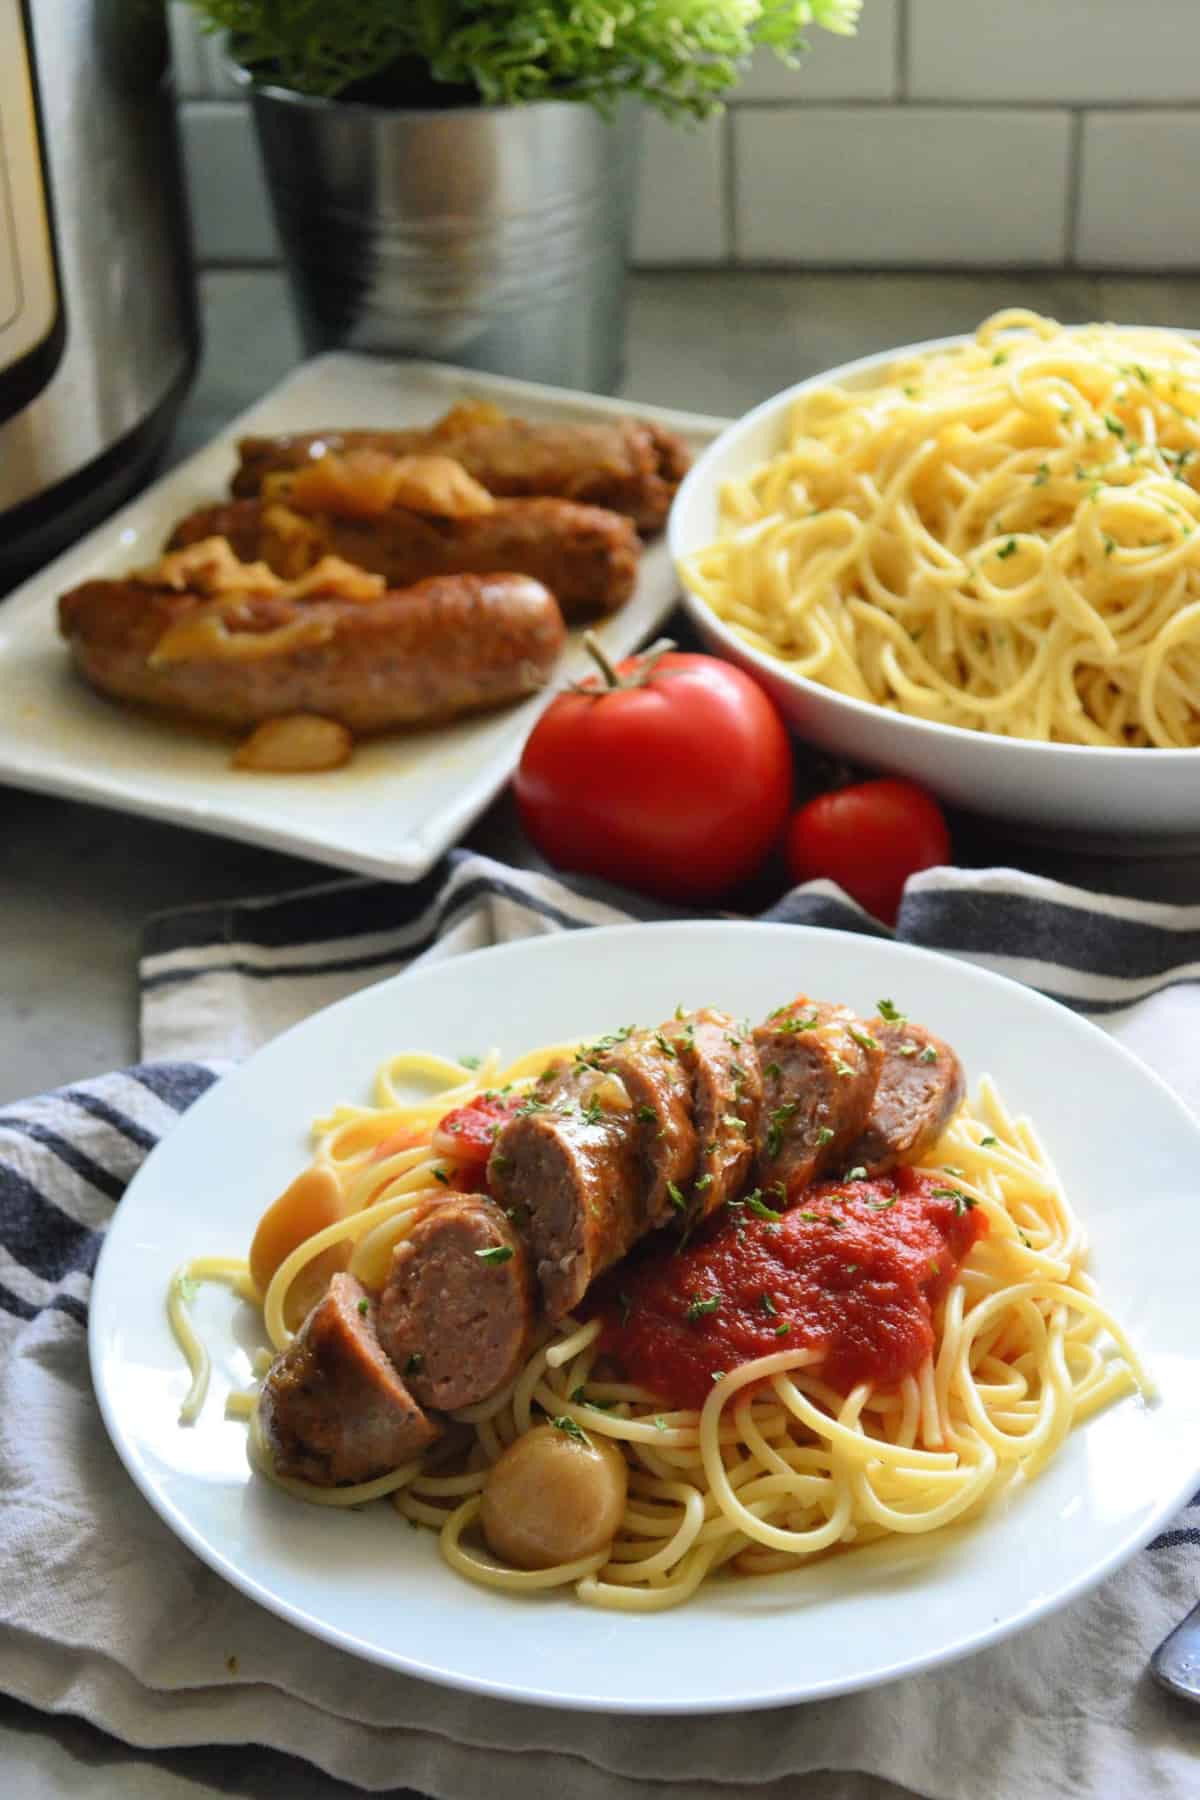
491 236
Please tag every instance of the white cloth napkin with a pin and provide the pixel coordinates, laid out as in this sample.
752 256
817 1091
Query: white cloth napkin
105 1615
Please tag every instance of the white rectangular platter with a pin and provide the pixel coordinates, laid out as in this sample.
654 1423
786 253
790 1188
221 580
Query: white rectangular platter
401 801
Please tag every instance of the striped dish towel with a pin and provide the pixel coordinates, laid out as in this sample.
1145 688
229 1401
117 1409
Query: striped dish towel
105 1615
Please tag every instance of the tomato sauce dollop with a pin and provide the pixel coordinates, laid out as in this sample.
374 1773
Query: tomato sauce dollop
853 1269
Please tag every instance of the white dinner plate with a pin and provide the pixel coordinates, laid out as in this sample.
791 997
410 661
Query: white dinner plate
401 801
364 1581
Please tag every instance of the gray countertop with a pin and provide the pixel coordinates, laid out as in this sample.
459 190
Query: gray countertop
77 883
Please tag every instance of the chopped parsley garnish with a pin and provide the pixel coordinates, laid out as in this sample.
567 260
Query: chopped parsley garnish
1007 550
842 1068
881 1205
775 1125
470 1062
531 1105
1110 545
187 1289
768 1305
664 1044
733 1122
928 1054
1001 356
773 1071
985 1143
826 1134
626 1305
851 1268
681 1011
660 1424
908 1048
856 1174
782 1329
702 1181
502 1164
718 1375
699 1307
963 1203
676 1198
571 1427
647 1115
415 1363
863 1039
760 1209
1114 425
592 1112
441 1175
364 1307
1042 476
498 1253
811 1218
887 1009
951 1169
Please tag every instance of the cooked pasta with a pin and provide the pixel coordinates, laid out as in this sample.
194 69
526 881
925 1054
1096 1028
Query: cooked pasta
777 1466
999 536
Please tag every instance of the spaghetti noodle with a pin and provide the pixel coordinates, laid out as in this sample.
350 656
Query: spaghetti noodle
1000 536
776 1467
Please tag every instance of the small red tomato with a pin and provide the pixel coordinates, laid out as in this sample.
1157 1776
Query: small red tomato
467 1133
869 839
673 775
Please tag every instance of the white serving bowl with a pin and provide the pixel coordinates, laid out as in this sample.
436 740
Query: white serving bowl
1073 787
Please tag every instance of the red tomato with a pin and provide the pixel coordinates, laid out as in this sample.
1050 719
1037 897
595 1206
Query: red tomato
467 1133
869 839
675 778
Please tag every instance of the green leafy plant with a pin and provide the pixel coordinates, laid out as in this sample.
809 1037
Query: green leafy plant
681 56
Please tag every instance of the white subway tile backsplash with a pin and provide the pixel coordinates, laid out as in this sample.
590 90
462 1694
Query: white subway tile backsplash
1137 195
900 186
1054 50
231 214
187 52
681 202
863 67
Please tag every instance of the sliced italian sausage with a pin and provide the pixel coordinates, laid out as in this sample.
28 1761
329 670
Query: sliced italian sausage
456 1310
919 1090
569 1167
820 1065
333 1407
722 1065
627 465
373 661
648 1064
586 555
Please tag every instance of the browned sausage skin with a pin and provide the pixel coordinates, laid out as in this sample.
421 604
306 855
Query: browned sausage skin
585 555
718 1054
623 464
648 1066
456 1311
333 1408
820 1065
919 1090
251 647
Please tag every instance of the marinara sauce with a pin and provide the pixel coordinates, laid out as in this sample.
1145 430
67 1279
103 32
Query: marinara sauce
853 1269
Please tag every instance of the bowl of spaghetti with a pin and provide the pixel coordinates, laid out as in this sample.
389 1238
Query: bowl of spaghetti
976 562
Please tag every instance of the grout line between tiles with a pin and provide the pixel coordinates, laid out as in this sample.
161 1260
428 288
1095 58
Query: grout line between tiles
1074 197
902 49
729 189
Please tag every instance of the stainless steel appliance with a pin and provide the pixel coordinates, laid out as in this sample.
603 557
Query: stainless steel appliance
98 334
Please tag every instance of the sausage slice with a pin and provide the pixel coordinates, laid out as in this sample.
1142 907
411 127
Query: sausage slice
457 1307
333 1408
648 1064
722 1066
568 1164
820 1065
920 1088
